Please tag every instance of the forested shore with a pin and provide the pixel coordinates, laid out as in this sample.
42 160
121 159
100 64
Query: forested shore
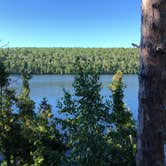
95 130
61 60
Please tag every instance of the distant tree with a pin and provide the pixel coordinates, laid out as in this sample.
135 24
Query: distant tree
61 60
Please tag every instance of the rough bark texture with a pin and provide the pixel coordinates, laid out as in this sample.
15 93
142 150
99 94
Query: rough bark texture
152 85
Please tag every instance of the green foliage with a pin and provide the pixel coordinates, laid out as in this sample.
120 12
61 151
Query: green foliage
97 133
28 138
62 60
94 132
8 120
48 147
3 82
87 118
3 76
24 103
123 133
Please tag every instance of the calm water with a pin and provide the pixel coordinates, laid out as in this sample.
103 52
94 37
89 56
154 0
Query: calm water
51 87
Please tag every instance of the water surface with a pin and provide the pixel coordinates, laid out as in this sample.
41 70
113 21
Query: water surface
51 87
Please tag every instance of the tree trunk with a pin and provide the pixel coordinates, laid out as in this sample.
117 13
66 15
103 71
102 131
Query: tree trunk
152 85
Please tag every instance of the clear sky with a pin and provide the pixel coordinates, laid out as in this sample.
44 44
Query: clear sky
70 23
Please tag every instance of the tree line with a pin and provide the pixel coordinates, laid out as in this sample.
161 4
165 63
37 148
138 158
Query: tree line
95 131
62 60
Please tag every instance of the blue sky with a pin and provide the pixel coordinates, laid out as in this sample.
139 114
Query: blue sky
70 23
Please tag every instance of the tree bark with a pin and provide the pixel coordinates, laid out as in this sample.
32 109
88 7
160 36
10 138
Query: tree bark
152 85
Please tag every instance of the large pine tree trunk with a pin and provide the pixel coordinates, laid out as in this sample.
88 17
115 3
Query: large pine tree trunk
152 84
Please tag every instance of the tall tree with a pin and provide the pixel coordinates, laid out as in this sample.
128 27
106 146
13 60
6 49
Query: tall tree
41 142
123 132
152 84
25 104
87 118
3 81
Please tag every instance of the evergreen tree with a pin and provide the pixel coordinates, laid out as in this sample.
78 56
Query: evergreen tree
24 103
49 149
61 60
87 117
42 143
123 133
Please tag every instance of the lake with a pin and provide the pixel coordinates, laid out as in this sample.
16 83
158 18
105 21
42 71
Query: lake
51 87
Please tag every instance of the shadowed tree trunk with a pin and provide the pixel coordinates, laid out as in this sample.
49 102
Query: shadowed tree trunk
152 85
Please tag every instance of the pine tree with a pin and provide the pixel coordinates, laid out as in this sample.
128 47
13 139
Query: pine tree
24 103
123 133
42 142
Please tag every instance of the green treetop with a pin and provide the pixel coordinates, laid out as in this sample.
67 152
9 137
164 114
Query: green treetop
87 117
123 133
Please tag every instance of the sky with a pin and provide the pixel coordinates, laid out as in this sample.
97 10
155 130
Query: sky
70 23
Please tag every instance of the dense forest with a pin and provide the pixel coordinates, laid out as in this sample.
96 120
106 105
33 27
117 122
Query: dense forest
61 60
95 131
